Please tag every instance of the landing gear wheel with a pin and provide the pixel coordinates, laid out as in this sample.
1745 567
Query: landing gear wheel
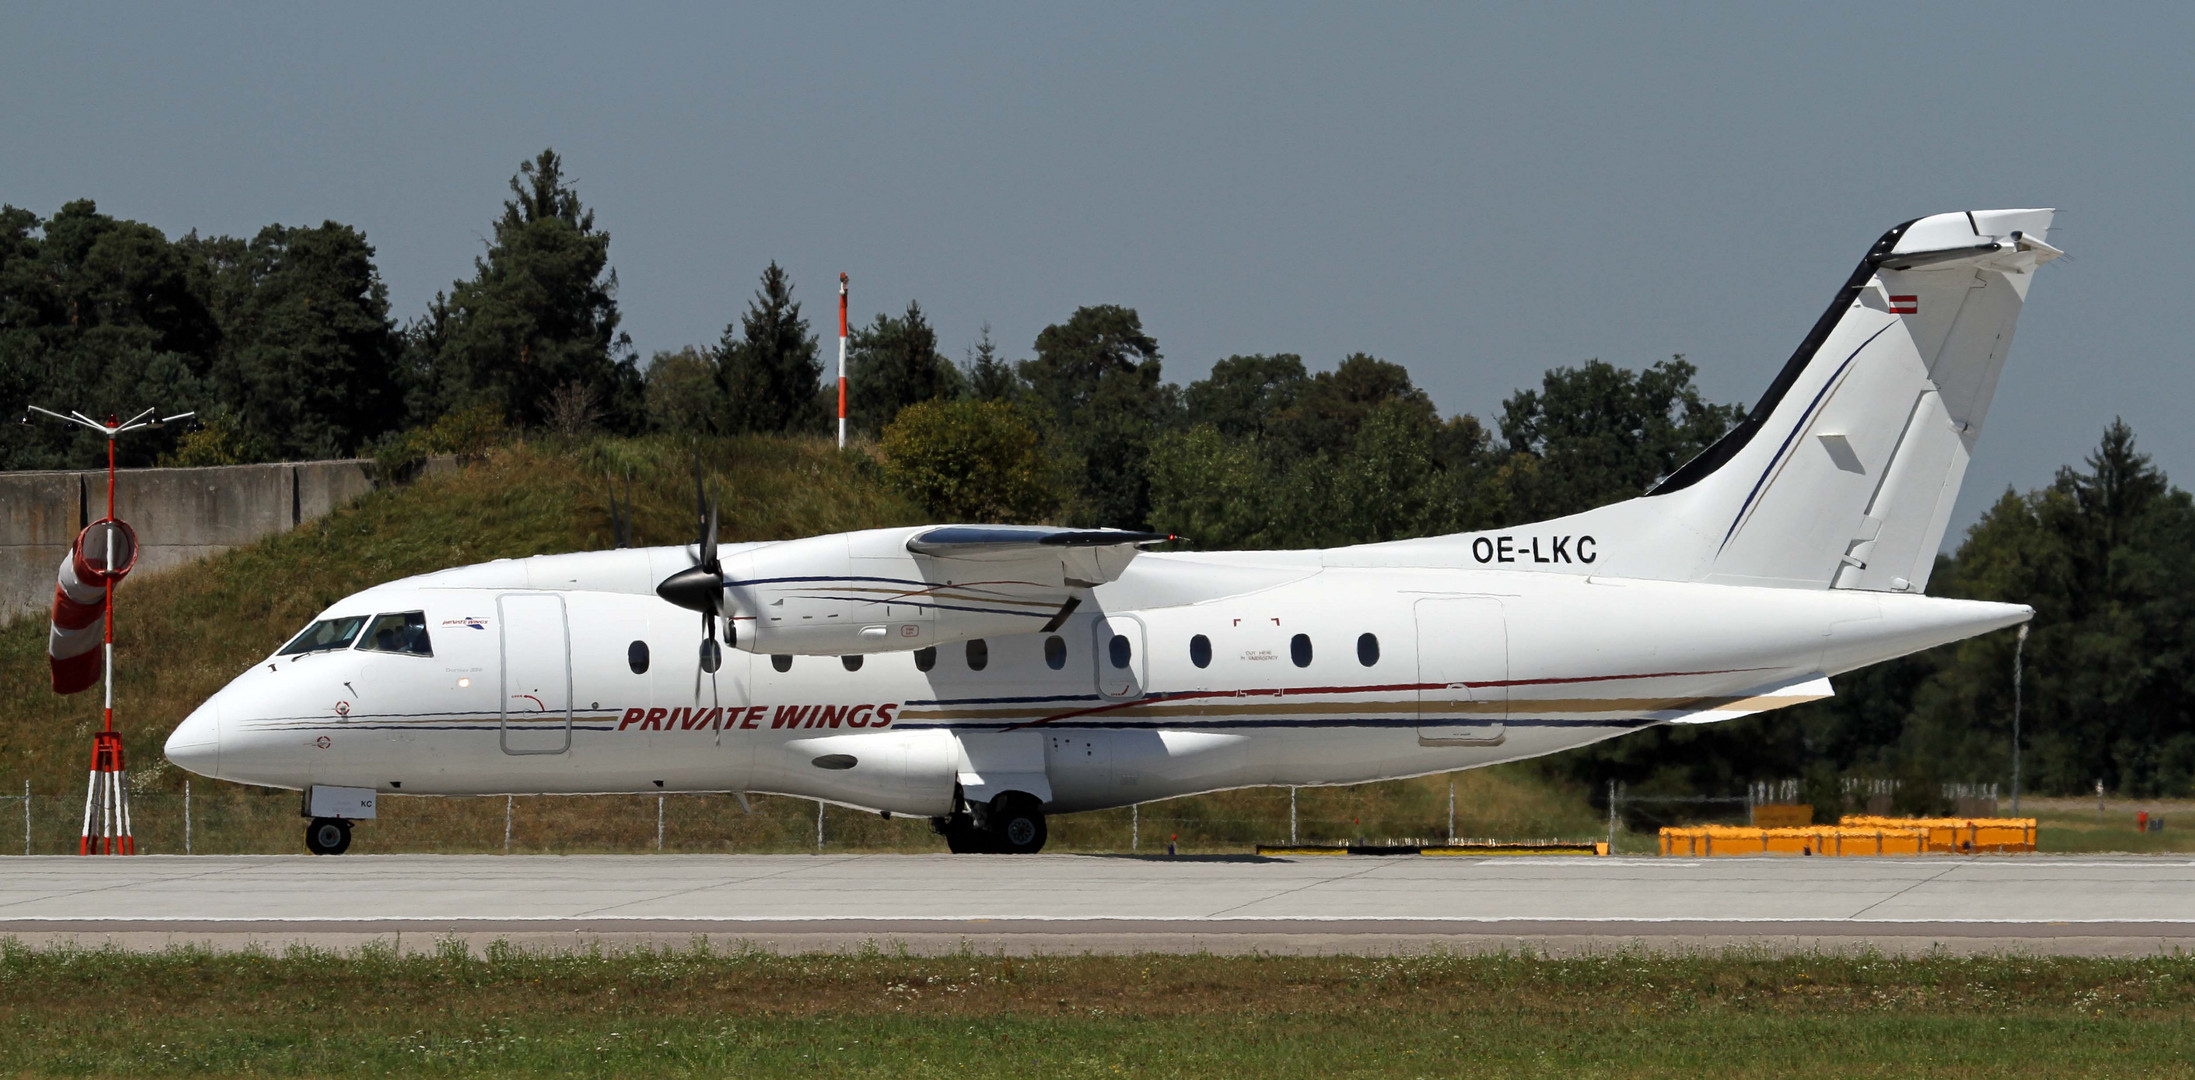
962 837
1017 827
328 836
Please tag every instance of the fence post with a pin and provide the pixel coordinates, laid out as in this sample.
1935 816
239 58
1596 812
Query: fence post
26 817
1135 827
1451 810
507 800
1291 815
186 817
659 823
1611 817
819 826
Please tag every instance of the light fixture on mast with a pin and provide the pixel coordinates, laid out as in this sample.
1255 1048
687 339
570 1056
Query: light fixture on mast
101 557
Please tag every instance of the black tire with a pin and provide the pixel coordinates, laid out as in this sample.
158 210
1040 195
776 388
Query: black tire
963 838
1017 827
328 836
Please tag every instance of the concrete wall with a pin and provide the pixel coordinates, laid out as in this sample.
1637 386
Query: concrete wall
181 516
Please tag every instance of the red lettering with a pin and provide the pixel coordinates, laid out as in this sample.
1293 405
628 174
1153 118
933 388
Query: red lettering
788 716
706 719
858 716
825 716
884 714
747 719
654 721
678 718
632 716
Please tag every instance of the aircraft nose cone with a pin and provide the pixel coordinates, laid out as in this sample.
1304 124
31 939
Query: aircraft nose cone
196 742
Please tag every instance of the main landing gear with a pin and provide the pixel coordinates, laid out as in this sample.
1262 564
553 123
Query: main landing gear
1013 824
328 836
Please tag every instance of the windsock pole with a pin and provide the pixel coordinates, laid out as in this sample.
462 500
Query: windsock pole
842 361
107 829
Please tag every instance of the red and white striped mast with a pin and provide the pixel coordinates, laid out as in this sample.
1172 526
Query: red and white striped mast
108 799
842 361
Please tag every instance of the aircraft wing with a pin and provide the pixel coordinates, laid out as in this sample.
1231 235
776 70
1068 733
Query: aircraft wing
1089 557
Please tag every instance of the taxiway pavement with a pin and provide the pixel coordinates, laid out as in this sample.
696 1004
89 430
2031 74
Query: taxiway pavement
2118 905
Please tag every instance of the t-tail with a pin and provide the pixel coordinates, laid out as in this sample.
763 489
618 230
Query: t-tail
1844 474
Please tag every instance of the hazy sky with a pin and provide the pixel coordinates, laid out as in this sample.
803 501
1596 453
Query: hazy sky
1478 193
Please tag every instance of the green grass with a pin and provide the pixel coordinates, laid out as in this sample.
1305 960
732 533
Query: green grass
696 1012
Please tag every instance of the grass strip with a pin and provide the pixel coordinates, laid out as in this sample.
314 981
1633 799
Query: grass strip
514 1012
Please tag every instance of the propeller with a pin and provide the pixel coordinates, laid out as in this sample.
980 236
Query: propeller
700 587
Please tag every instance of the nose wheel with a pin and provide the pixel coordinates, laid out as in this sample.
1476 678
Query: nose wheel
328 836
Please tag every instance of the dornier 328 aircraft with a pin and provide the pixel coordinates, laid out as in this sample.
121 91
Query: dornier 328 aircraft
986 676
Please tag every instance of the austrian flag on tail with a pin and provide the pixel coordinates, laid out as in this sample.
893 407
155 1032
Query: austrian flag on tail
79 602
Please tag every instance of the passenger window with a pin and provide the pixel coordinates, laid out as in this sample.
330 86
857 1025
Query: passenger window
979 655
1367 650
325 634
925 659
1299 650
781 661
636 657
1119 649
853 663
1055 652
1200 651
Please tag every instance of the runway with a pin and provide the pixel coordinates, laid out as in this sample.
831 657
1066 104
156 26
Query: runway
2110 905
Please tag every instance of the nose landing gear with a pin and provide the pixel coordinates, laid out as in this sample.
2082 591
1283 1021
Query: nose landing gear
328 836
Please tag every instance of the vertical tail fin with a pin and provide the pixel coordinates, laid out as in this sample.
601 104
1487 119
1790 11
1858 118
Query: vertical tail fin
1845 473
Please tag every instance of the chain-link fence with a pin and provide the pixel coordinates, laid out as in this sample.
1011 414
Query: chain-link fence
213 818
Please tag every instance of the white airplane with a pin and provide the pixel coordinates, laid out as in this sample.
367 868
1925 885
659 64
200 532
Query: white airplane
986 676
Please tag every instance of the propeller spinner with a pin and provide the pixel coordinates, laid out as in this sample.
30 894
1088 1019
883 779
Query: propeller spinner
700 587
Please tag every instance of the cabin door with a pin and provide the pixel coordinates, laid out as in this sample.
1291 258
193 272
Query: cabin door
537 674
1463 672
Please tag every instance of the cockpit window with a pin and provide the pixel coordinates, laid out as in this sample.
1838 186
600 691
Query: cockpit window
326 634
403 632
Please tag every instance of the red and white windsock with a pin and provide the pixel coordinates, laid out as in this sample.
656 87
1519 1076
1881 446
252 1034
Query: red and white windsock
80 602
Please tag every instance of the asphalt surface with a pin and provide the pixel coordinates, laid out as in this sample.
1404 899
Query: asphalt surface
2110 905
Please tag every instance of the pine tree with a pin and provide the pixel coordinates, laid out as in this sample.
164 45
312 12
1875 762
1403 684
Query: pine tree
988 375
537 324
768 362
893 363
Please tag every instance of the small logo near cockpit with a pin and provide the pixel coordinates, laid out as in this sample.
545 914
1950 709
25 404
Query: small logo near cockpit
473 621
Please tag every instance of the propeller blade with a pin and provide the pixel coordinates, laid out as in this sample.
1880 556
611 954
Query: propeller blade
708 542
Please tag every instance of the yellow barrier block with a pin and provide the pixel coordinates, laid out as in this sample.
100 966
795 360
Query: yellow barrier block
1959 835
1826 840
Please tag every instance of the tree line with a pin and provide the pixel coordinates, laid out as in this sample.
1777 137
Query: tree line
287 346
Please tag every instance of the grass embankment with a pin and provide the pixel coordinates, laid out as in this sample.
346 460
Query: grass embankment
754 1014
181 636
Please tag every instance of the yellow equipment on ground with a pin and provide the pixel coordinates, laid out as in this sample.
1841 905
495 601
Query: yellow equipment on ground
1857 835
